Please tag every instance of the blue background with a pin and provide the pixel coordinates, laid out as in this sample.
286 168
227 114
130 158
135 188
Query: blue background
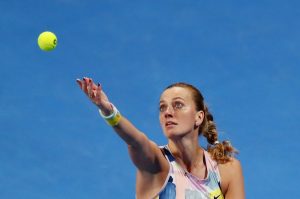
242 55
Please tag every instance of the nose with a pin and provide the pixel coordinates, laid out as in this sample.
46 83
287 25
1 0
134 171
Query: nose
169 111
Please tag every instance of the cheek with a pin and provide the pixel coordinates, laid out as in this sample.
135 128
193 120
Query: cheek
161 119
188 118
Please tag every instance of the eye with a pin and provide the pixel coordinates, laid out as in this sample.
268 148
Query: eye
162 108
178 105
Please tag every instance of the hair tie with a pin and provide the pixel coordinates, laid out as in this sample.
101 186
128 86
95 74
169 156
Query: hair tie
216 142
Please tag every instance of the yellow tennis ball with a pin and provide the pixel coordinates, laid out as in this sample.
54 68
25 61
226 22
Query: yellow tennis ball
47 41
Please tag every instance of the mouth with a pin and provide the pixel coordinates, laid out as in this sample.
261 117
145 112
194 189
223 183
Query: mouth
170 124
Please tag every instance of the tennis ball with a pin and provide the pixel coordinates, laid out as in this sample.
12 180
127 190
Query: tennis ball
47 41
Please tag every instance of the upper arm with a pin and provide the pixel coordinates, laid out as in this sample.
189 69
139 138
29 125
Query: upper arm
148 157
151 164
152 168
232 179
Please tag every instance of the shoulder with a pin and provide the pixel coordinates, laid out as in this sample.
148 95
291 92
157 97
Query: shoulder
231 166
229 169
232 181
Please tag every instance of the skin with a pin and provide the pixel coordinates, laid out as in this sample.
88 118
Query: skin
180 123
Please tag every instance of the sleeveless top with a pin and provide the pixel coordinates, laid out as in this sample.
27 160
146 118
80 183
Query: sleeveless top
180 184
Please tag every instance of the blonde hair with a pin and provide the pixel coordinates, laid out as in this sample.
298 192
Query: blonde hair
221 152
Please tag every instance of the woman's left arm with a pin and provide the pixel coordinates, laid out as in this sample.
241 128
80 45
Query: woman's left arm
232 179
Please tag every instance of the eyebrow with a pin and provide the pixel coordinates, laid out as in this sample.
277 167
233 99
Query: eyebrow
175 98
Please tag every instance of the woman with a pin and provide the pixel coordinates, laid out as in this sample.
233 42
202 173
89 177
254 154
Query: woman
182 168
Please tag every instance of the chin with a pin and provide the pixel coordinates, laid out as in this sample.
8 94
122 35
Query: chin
171 134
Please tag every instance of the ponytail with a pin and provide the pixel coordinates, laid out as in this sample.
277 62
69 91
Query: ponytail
220 151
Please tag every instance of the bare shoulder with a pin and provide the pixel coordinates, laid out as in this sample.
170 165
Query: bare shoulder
231 166
232 180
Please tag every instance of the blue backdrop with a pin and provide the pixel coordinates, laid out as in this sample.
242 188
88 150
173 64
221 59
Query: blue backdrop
242 55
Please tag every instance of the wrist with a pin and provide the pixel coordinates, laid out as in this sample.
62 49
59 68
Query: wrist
105 111
113 118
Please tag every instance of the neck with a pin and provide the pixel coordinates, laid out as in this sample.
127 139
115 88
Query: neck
187 152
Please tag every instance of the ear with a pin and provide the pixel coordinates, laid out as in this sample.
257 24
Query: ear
199 117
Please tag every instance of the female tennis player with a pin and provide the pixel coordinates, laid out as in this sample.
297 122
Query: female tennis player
181 169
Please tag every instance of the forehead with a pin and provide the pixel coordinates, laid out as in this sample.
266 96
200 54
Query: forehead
176 92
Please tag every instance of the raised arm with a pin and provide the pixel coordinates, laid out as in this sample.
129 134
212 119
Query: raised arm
145 154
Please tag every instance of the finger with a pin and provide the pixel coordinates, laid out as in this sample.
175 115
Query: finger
89 89
94 93
84 85
92 84
79 83
86 80
98 90
99 87
89 82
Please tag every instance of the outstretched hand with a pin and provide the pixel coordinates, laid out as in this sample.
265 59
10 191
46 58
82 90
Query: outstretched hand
95 94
